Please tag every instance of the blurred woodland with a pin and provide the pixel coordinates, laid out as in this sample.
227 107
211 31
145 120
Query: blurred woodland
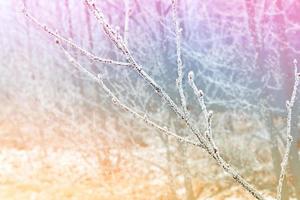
62 137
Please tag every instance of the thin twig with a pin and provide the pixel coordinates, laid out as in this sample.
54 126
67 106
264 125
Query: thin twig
71 43
178 31
289 137
207 114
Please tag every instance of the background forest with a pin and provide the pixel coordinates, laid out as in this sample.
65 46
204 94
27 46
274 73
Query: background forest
63 137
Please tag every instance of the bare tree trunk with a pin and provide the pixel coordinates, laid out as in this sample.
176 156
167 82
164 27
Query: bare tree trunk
254 30
250 7
29 49
70 25
89 28
78 82
59 14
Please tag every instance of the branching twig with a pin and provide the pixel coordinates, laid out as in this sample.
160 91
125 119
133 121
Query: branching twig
207 114
215 152
117 102
289 137
117 40
72 44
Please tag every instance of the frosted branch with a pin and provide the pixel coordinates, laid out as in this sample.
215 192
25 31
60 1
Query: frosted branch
57 36
289 137
116 101
178 31
212 149
205 140
118 41
207 114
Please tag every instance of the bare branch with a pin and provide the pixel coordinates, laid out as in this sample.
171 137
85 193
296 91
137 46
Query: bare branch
207 114
289 137
206 141
178 31
117 102
117 40
91 56
215 152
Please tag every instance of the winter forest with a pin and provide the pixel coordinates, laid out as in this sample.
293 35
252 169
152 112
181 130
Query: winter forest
149 99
